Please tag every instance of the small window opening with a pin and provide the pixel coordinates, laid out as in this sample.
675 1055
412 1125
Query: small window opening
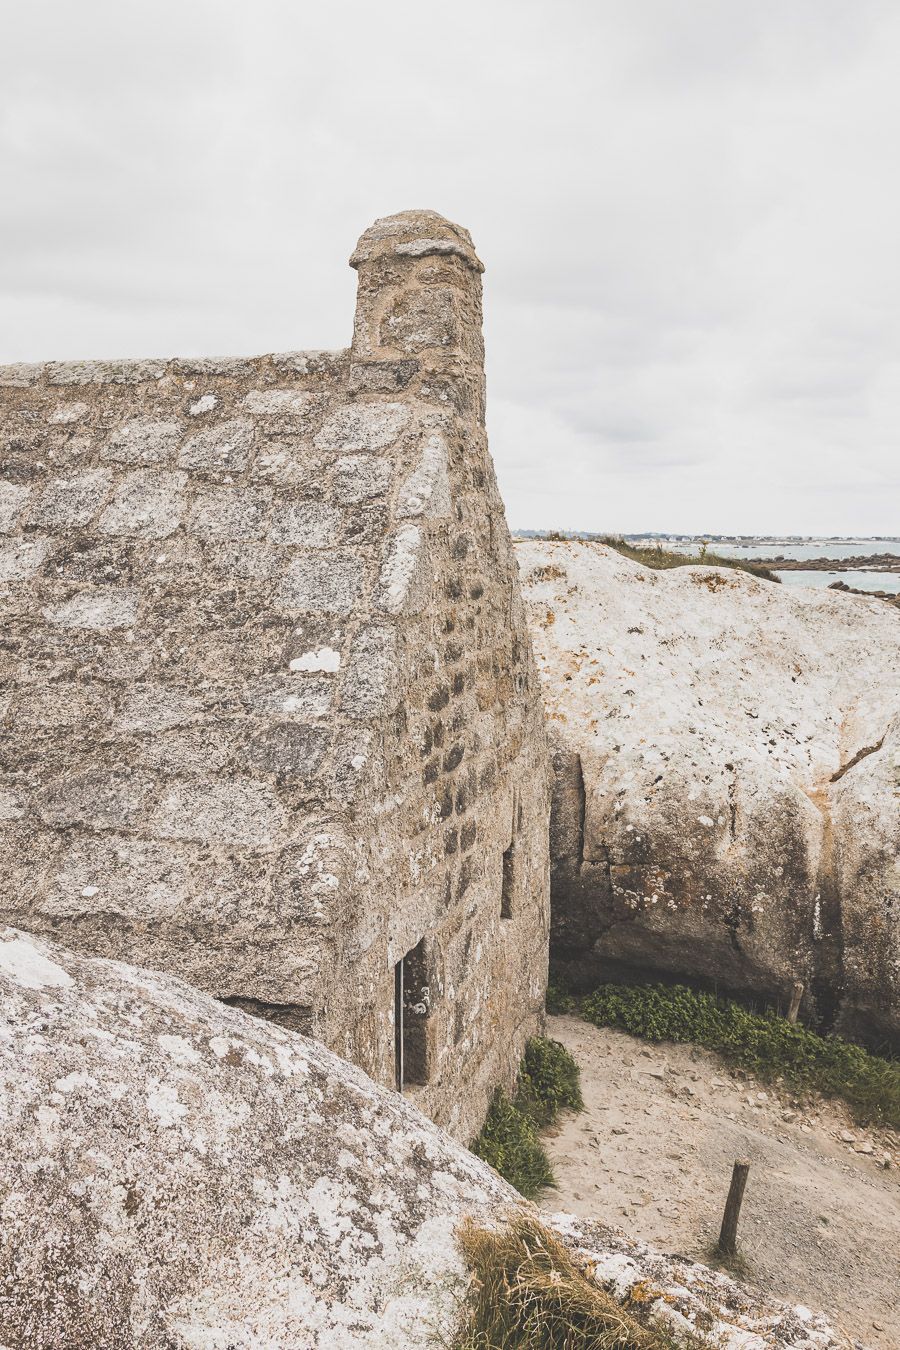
412 1004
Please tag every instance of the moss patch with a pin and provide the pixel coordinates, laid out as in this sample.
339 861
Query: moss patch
529 1293
766 1044
548 1082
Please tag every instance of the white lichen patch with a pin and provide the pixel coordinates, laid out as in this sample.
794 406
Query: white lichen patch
324 659
164 1106
28 967
204 404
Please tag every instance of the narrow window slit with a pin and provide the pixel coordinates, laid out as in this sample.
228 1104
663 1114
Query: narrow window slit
412 1005
506 894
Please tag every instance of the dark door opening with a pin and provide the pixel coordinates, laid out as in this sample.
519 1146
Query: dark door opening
411 1008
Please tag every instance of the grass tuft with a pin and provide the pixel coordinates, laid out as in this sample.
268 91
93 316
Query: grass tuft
766 1044
529 1293
548 1082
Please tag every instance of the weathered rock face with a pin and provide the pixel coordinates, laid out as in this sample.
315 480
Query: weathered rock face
272 720
727 800
177 1174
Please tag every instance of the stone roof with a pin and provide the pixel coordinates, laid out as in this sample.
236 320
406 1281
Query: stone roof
203 562
271 711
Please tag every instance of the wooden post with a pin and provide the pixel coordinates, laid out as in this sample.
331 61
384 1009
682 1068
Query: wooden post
728 1234
796 996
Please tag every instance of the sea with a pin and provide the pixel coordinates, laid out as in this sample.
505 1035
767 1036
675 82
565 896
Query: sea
858 579
824 548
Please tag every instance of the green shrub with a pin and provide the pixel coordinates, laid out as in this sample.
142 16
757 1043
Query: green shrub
509 1142
529 1293
559 1000
765 1044
548 1081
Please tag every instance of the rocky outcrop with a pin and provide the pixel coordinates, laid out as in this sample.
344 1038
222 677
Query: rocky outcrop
726 800
178 1174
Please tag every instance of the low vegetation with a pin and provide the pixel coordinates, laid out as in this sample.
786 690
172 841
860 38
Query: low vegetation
548 1082
654 555
529 1293
657 557
766 1044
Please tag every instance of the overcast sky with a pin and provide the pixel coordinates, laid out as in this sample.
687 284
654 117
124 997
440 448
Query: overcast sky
689 211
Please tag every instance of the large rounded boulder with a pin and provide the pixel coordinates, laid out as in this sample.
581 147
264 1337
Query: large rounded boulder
176 1173
726 755
179 1175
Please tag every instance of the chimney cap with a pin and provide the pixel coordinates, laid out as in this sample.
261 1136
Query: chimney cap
415 234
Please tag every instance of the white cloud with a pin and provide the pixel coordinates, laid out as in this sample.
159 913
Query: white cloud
689 216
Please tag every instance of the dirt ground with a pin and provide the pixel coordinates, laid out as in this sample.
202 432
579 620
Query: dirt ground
653 1151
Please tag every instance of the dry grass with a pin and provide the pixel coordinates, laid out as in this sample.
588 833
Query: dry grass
661 559
529 1293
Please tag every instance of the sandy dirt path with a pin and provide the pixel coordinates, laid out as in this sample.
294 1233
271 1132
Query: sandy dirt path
653 1150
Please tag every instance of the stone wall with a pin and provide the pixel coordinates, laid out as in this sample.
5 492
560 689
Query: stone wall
272 721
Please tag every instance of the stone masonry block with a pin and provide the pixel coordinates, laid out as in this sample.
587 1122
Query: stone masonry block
100 610
21 558
71 500
123 875
243 558
381 377
322 583
230 513
299 407
65 413
156 707
288 750
142 440
421 319
225 447
13 497
311 879
371 683
289 464
147 503
308 524
358 477
427 490
98 798
104 372
226 811
403 583
363 426
284 694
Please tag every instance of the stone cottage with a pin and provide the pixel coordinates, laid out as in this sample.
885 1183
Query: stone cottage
272 722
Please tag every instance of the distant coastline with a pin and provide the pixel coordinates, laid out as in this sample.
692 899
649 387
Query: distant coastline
864 565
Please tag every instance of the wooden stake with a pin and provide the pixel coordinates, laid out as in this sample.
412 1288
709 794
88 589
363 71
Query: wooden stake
728 1234
796 996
